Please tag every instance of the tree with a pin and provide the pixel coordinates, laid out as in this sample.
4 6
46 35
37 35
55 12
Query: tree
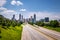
31 23
5 23
39 23
54 23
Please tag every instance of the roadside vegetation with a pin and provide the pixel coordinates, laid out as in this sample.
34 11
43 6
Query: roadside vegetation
10 29
52 28
53 25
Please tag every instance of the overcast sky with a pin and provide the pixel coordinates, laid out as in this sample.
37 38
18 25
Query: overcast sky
42 8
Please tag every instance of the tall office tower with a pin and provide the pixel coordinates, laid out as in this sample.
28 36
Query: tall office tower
42 20
19 17
59 19
22 18
13 17
46 19
34 18
31 19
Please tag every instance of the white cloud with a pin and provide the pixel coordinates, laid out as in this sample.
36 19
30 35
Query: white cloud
19 3
42 15
5 10
22 10
2 2
7 13
2 9
14 2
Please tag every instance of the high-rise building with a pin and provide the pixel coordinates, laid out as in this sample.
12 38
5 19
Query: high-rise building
46 19
13 17
59 19
31 19
22 18
41 20
34 18
19 17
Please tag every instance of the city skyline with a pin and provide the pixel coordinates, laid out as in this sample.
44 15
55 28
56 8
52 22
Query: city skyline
31 19
42 8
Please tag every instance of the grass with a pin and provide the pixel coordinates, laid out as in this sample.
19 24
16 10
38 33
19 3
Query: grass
11 33
52 28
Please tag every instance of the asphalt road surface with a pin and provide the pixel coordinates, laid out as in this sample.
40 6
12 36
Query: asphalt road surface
30 33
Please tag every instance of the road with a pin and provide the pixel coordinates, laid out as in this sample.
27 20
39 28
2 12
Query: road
51 33
30 33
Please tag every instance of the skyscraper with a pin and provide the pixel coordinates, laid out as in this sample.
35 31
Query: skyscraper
41 20
13 17
31 19
46 19
22 18
19 17
34 18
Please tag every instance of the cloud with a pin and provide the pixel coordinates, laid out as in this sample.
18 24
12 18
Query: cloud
22 10
2 9
7 13
5 10
14 2
2 2
42 15
39 15
19 3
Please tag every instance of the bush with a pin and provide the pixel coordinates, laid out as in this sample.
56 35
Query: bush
31 23
46 24
0 37
4 27
40 23
0 31
54 23
4 22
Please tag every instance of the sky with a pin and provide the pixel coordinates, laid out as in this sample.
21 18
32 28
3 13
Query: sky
42 8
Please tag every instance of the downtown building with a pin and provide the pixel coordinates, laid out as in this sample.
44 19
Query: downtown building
46 19
33 19
13 18
21 18
41 20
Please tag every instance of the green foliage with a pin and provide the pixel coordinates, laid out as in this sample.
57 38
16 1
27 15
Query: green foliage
52 28
0 31
13 33
18 24
0 37
46 24
10 29
54 23
7 23
40 23
31 23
